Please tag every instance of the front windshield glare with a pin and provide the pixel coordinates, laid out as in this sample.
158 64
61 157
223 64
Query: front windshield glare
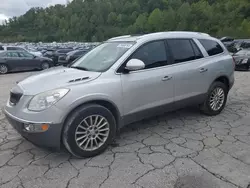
103 56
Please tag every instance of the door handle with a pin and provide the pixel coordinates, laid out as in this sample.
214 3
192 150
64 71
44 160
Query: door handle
203 70
166 78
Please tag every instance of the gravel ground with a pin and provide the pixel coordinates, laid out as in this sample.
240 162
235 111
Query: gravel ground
183 149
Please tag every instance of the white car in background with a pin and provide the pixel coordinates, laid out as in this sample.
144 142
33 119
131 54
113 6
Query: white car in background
18 48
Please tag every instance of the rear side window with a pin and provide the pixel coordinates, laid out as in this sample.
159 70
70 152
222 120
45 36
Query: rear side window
1 48
197 52
212 47
152 54
182 50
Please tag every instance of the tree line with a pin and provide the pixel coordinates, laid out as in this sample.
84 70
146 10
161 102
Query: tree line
98 20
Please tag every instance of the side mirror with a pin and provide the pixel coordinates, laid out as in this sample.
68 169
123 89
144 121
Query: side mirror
134 64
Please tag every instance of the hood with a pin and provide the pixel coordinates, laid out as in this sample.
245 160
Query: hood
59 77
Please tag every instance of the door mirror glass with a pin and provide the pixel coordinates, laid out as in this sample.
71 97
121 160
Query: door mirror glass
135 64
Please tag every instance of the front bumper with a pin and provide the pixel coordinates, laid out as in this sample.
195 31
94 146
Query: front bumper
49 139
243 64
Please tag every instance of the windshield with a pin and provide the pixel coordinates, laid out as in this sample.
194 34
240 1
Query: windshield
103 56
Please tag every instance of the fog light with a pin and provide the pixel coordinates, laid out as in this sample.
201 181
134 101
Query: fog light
35 127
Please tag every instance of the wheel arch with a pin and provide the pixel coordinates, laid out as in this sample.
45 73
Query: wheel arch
102 102
223 79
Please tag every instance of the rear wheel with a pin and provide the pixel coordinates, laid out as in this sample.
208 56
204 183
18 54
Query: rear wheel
45 65
216 99
3 69
89 130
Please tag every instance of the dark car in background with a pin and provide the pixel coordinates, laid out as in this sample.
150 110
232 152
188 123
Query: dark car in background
60 56
57 55
72 56
11 61
242 59
240 50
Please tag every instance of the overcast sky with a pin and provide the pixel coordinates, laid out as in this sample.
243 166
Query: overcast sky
10 8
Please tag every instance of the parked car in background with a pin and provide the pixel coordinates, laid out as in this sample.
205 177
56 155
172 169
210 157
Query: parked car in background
18 48
227 39
242 59
123 80
11 61
59 56
72 56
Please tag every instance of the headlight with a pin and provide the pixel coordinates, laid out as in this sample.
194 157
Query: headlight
44 100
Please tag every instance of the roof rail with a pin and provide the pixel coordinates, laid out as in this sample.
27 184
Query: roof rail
203 34
120 37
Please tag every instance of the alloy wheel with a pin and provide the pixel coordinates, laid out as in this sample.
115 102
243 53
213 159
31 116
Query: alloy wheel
217 99
3 69
45 66
92 132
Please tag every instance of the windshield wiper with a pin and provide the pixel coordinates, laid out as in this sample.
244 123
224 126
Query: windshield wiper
79 68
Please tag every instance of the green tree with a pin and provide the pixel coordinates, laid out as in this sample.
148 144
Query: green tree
98 20
155 20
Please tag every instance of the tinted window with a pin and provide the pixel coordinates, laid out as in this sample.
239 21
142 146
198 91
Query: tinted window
212 47
197 51
182 50
1 48
12 54
152 54
25 54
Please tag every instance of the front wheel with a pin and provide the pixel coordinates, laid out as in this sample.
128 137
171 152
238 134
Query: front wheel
45 65
89 130
216 99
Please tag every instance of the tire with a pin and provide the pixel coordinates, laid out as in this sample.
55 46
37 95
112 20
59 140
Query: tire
206 107
45 65
74 124
3 69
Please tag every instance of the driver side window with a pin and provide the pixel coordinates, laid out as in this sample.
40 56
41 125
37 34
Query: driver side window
153 54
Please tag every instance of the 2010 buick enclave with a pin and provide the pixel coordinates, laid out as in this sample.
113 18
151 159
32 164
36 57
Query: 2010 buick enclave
123 80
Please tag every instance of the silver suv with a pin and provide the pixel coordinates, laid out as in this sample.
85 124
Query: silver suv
123 80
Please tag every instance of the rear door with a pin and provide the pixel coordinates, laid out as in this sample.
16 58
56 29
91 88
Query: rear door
15 61
190 75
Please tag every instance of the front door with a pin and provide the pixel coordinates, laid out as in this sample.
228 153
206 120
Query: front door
149 91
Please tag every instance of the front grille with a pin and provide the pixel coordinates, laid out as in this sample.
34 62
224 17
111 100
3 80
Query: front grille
15 97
